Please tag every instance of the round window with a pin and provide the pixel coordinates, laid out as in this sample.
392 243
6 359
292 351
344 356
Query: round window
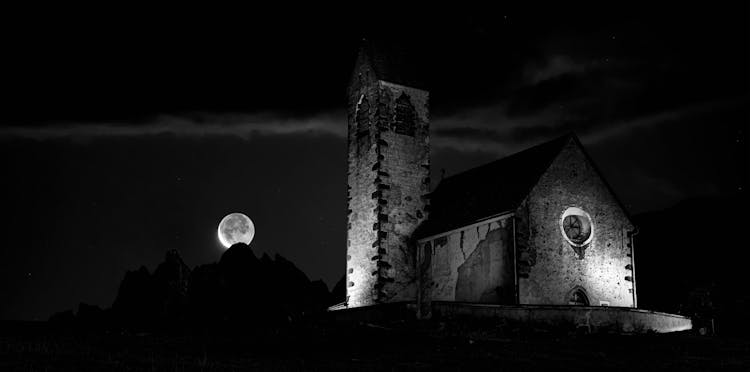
576 227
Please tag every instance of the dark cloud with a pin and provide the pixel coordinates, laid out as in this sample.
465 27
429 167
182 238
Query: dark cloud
204 125
552 68
660 160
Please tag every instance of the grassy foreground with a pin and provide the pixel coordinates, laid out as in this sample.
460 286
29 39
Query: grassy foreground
370 347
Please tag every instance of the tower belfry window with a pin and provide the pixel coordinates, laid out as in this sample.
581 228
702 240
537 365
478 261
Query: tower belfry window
406 117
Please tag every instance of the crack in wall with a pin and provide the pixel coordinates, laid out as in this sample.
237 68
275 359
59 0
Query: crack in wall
486 275
461 245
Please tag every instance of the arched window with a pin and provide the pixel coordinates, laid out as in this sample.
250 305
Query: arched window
362 117
406 116
577 296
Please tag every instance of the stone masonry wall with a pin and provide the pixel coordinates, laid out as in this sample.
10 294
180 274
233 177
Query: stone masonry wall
471 264
548 266
388 177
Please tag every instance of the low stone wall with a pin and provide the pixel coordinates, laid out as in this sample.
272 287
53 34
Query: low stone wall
593 318
373 313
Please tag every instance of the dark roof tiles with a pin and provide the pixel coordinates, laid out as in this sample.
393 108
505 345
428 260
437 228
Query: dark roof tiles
488 190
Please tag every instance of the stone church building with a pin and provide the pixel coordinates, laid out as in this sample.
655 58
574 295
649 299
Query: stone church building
539 227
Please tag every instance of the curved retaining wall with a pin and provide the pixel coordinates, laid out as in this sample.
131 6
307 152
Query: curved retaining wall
405 310
594 318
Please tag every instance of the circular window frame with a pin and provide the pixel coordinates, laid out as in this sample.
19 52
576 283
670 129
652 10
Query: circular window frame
576 211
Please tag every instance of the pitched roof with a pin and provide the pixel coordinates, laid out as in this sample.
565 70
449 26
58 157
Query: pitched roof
393 62
488 190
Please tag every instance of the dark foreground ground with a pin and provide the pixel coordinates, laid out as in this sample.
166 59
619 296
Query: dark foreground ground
399 346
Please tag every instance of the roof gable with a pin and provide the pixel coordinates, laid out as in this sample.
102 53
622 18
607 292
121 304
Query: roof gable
490 189
600 175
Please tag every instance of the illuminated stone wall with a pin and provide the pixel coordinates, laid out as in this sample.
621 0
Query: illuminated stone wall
472 264
549 268
388 177
476 264
594 319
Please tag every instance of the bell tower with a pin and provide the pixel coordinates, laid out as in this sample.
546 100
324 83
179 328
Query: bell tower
388 176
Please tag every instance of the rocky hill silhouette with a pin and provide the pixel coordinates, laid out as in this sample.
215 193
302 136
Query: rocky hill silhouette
240 291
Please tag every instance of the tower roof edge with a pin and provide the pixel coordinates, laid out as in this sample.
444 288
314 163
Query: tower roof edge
392 62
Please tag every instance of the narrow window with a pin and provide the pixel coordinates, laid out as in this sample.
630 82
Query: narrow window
362 117
426 256
406 116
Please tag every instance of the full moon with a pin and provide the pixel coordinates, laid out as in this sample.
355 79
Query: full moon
236 228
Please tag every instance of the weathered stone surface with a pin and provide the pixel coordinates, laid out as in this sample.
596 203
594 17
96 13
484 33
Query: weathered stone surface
589 319
476 263
551 263
472 264
520 253
388 161
487 274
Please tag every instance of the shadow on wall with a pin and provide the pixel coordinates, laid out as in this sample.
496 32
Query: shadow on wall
487 274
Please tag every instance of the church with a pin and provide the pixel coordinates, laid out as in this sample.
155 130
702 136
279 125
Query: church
539 227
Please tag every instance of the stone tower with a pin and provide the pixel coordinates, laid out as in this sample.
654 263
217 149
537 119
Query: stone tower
388 177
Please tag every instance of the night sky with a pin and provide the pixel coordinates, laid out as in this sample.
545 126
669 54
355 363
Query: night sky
134 132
